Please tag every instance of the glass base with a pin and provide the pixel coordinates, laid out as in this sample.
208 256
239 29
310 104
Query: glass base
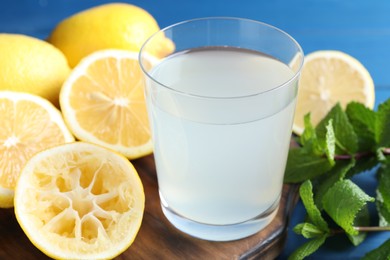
220 232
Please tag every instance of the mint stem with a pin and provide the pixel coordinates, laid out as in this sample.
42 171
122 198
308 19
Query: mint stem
357 156
386 150
362 229
372 229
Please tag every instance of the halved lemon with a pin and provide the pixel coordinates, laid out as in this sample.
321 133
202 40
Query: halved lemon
79 201
29 124
329 77
103 103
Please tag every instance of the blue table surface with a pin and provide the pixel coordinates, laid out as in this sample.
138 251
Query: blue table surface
358 27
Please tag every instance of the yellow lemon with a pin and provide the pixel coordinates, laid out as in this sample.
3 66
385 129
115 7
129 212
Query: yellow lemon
109 26
329 77
29 124
79 201
31 65
103 103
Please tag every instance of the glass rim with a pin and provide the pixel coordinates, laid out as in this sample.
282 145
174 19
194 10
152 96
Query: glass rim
221 18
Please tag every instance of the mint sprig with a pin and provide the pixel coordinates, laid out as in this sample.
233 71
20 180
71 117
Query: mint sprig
345 143
315 228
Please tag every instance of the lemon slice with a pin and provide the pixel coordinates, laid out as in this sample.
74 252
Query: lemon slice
329 77
79 201
103 103
29 124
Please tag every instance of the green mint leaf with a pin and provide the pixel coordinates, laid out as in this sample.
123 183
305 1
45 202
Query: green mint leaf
309 133
363 116
383 124
363 121
345 136
330 142
302 166
308 230
309 138
362 220
383 212
384 184
337 173
306 194
308 248
382 252
380 155
343 201
383 195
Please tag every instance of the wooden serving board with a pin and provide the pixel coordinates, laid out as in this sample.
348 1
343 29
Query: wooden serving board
158 239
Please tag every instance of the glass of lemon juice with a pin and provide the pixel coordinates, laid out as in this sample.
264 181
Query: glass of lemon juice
221 108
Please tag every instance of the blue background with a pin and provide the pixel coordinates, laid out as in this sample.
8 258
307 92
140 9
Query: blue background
360 28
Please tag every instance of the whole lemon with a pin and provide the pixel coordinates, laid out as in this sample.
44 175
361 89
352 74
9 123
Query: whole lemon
31 65
108 26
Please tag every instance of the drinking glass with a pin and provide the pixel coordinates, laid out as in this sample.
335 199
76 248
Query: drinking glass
221 108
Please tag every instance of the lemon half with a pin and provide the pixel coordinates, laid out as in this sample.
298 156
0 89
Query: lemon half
329 77
79 201
103 103
29 124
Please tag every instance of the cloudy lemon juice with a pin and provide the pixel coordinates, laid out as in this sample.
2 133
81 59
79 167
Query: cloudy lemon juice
221 127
